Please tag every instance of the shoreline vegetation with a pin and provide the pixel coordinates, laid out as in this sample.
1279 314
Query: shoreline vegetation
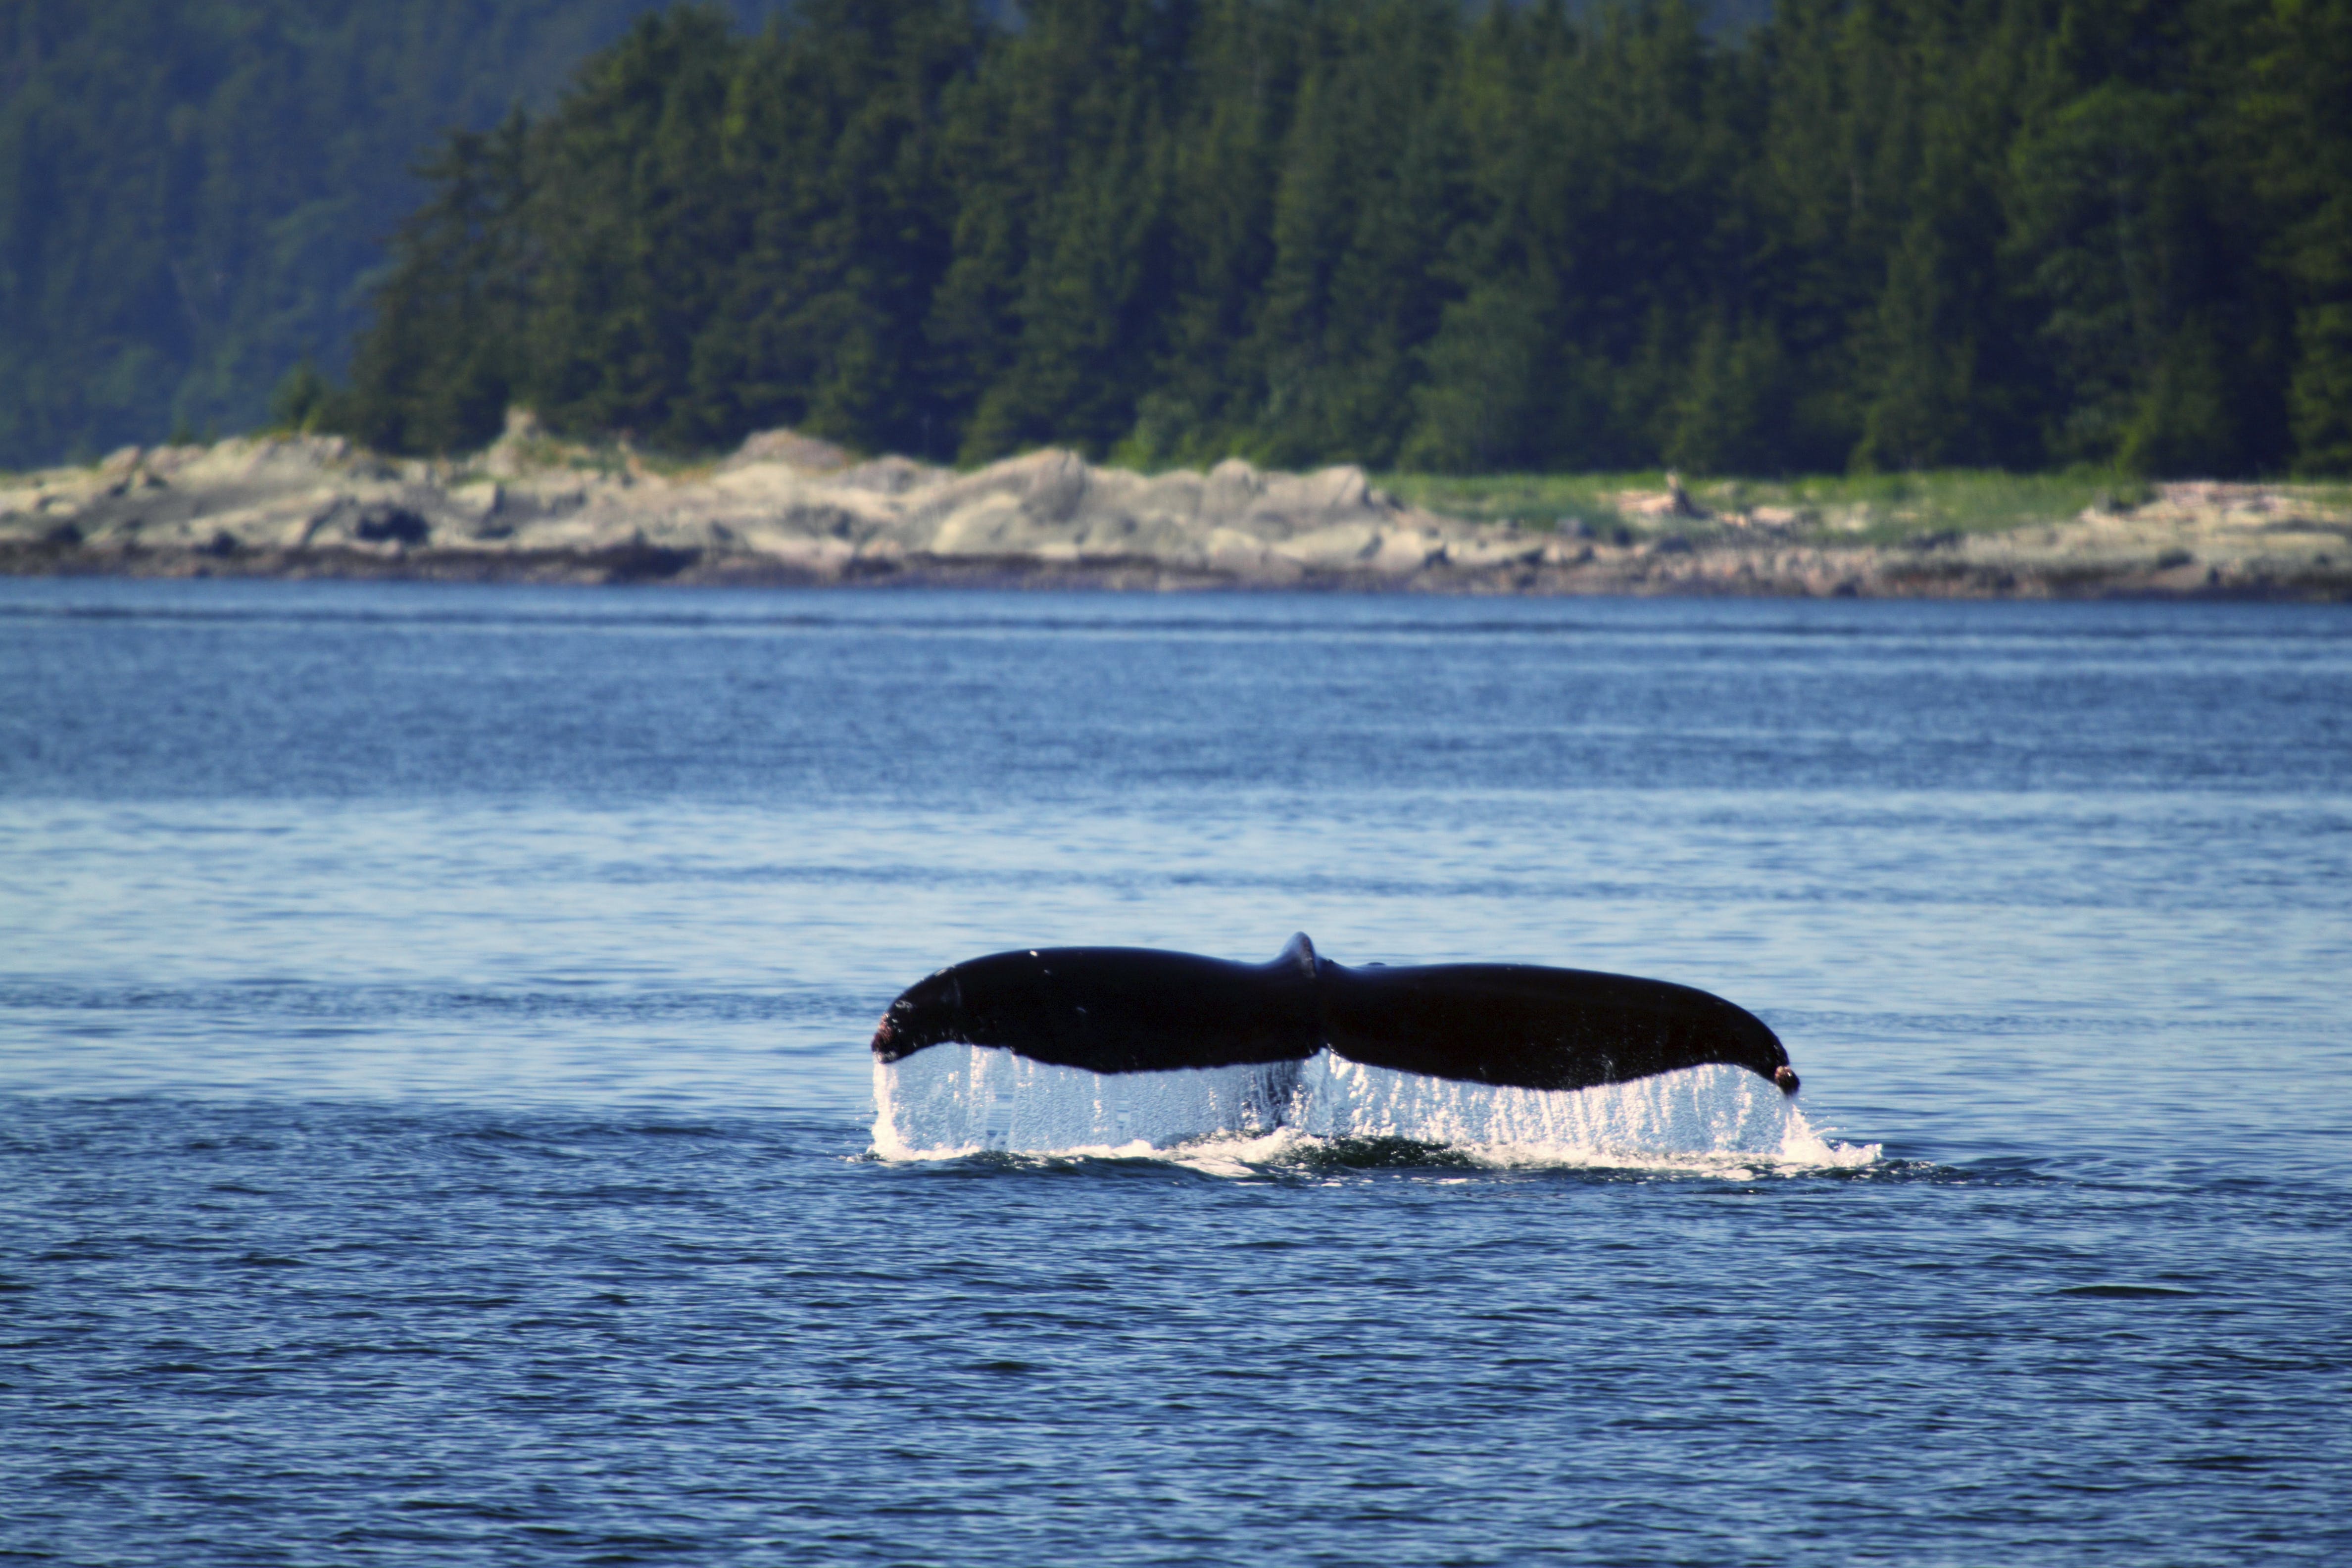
789 509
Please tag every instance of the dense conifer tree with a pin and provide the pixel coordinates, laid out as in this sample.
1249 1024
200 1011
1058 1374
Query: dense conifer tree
2294 115
446 354
1884 233
839 228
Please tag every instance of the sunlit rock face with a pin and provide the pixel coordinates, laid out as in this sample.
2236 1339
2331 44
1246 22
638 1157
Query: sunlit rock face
790 509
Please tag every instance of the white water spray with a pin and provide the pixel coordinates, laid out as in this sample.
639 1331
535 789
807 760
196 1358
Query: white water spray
951 1099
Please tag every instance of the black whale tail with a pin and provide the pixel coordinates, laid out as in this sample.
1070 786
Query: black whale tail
1115 1010
1532 1027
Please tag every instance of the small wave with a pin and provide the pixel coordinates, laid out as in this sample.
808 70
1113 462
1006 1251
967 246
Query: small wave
949 1100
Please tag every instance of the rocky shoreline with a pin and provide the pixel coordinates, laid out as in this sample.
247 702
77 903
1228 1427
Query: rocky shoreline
788 509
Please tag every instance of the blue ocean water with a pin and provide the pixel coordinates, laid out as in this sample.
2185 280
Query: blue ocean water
434 1104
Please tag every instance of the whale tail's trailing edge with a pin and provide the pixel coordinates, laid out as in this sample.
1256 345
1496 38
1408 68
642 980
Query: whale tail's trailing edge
1118 1009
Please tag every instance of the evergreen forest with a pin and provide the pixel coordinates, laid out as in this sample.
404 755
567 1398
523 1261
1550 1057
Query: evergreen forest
195 195
1858 234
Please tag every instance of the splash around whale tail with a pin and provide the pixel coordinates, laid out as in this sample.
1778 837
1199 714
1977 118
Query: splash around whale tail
1112 1010
953 1100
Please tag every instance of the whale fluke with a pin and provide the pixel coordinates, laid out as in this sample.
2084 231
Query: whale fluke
1125 1009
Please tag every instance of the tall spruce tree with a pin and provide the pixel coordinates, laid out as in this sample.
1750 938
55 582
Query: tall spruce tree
2294 126
841 227
445 354
632 222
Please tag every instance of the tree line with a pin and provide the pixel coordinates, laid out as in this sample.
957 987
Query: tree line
1890 233
195 194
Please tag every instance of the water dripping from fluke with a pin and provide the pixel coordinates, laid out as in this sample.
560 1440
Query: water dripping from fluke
1328 1112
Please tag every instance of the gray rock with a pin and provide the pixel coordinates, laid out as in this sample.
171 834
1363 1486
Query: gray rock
789 509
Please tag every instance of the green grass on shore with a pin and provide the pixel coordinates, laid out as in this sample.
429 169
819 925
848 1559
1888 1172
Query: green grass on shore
1862 508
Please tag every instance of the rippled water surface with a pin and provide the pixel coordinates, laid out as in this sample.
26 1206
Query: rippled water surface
435 1105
